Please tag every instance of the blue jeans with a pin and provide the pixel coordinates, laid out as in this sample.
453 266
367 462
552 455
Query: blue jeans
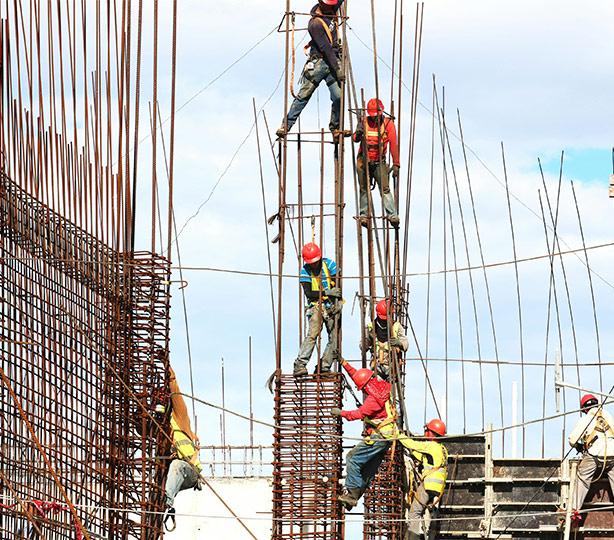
380 174
181 475
311 80
364 460
315 314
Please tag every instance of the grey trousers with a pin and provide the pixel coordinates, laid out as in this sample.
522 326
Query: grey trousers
587 469
417 509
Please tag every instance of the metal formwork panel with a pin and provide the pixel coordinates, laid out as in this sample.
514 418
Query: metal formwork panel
384 499
84 348
307 454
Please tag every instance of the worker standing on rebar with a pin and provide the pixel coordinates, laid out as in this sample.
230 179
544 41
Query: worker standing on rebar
381 338
431 458
184 469
317 279
380 416
593 435
323 64
376 132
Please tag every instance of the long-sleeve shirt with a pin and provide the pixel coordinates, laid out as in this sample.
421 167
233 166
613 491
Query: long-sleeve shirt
603 445
372 408
320 43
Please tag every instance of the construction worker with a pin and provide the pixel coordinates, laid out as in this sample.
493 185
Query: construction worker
386 338
432 461
379 415
323 64
378 131
593 435
317 279
184 469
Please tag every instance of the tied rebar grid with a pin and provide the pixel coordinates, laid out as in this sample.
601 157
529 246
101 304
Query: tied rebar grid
84 334
307 458
383 500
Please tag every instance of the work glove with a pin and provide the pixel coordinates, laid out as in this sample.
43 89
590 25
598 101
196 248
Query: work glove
395 172
335 292
335 411
360 131
340 76
395 342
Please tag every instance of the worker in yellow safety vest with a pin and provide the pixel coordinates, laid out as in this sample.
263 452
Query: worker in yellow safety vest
318 282
432 462
184 469
380 338
593 435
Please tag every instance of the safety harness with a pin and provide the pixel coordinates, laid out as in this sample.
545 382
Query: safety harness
318 16
381 347
315 280
601 426
378 139
184 447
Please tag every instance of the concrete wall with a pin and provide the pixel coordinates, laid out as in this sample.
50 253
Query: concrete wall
201 515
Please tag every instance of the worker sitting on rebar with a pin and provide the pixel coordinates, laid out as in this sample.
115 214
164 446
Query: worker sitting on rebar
376 132
430 472
380 417
323 64
593 435
322 307
381 338
184 469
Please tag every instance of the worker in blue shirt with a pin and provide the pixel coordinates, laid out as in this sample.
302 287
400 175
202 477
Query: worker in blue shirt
323 64
319 287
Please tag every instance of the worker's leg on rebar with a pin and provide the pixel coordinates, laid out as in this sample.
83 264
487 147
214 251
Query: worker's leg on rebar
381 173
586 471
181 475
363 184
314 322
328 354
418 505
335 98
363 461
435 524
311 80
610 470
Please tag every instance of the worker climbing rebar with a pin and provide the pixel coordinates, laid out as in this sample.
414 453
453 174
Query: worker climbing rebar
380 337
593 436
184 469
376 132
323 64
323 307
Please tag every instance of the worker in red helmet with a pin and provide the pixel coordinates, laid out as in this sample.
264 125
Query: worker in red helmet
323 64
376 132
432 461
593 435
381 337
318 281
380 417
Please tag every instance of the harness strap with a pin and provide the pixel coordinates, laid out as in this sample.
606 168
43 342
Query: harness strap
326 29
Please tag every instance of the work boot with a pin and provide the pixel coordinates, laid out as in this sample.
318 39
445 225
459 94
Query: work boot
300 371
364 222
394 221
576 519
350 498
281 132
169 514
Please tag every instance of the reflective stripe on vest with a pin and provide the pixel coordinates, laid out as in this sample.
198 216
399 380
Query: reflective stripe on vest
315 280
373 137
386 426
383 345
435 478
183 446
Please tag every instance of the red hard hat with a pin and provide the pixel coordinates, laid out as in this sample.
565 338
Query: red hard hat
436 426
311 253
362 377
329 2
382 309
375 107
585 401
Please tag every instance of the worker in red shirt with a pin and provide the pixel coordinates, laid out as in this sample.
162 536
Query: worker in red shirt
379 131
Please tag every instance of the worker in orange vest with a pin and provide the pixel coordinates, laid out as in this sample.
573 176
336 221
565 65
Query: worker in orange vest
377 132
